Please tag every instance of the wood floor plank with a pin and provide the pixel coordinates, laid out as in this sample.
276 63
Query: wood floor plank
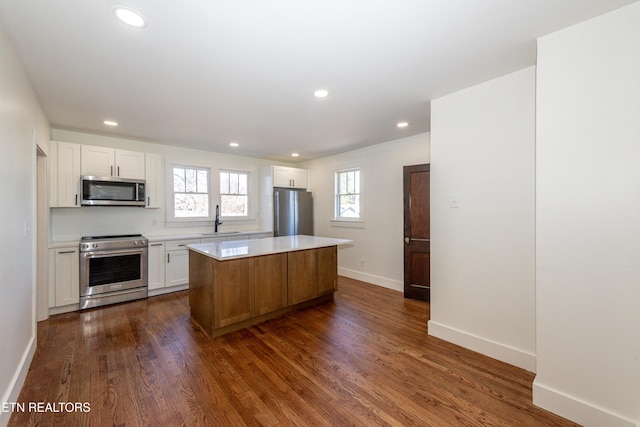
364 359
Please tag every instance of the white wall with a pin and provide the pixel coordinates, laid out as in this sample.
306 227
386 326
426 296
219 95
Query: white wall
73 223
588 221
482 253
20 116
379 243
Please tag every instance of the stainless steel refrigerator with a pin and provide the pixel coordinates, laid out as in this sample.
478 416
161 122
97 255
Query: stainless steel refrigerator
292 212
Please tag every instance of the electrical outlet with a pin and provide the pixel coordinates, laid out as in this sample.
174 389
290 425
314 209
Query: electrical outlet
154 221
361 263
454 202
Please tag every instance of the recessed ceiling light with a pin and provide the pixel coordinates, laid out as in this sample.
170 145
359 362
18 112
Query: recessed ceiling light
110 123
294 154
130 17
402 124
321 93
234 144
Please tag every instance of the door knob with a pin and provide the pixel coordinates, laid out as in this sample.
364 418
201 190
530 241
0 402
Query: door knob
407 240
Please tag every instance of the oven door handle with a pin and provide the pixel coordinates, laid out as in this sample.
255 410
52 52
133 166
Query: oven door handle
103 254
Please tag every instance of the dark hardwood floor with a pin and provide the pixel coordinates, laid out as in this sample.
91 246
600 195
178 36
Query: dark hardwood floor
364 359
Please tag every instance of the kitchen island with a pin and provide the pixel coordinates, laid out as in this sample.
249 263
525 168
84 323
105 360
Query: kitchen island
235 284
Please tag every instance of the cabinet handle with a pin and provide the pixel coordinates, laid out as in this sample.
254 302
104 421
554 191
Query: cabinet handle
66 252
118 170
149 201
76 200
156 244
111 170
182 244
168 258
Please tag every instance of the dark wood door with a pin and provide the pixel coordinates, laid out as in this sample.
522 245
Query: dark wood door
417 233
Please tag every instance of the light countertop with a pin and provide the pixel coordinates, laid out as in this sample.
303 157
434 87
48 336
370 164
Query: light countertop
152 238
234 249
188 236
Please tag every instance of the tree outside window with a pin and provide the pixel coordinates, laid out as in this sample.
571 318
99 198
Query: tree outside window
190 192
234 194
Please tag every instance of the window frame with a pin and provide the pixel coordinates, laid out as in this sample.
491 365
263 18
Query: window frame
248 195
171 213
342 221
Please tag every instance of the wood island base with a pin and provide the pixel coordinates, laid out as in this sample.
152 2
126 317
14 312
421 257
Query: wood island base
233 294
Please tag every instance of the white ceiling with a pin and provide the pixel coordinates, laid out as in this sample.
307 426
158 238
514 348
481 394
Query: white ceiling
207 72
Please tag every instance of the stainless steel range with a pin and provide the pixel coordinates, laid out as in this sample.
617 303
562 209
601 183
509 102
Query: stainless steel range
112 269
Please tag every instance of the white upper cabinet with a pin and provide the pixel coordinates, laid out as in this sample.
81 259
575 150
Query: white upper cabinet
289 177
153 178
97 161
64 178
130 164
104 161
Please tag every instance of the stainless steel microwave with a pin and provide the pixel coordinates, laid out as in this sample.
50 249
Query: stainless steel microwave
112 191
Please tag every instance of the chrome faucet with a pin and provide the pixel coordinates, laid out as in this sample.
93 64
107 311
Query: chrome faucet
217 221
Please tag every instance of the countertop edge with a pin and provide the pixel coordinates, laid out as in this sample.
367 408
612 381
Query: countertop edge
199 248
55 244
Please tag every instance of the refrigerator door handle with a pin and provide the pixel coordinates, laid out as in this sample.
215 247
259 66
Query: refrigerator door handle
276 211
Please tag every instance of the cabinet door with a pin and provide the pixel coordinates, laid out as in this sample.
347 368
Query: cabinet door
153 178
97 161
271 283
176 267
156 265
129 164
281 176
233 291
301 276
66 276
299 178
327 262
65 179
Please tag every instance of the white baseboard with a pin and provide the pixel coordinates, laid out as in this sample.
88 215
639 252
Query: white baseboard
64 309
504 353
372 278
574 409
12 392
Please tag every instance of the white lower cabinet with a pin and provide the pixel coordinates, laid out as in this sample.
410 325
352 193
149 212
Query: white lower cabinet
176 270
156 265
64 280
169 261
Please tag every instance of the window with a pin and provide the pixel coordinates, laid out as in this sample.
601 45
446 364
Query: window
234 194
191 193
348 194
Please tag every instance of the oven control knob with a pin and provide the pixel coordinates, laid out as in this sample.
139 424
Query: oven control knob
94 245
